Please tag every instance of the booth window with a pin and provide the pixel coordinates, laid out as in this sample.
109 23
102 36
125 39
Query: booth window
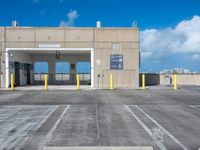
83 67
62 71
40 69
84 70
62 67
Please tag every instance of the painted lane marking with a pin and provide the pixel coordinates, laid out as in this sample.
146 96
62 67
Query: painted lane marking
160 127
50 133
16 131
56 124
22 135
158 142
196 107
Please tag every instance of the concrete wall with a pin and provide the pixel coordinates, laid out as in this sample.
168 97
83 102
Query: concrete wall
168 79
33 37
1 39
121 79
127 42
187 79
103 40
2 47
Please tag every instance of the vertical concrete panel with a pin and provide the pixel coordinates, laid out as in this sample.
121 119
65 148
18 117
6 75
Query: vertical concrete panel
19 34
182 79
2 48
78 35
52 35
104 40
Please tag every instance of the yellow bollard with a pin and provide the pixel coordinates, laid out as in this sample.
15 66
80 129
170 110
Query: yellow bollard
12 82
78 82
111 82
175 82
143 81
46 82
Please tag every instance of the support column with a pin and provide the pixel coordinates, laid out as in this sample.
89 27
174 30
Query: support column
51 67
52 71
92 68
7 74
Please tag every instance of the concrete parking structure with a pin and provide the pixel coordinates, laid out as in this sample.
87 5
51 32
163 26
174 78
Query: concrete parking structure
107 51
157 117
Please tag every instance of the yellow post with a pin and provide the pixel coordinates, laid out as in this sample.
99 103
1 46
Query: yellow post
111 82
175 82
143 81
12 82
46 82
78 82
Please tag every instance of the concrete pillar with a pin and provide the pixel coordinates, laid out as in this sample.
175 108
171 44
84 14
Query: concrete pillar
51 67
92 68
7 72
52 71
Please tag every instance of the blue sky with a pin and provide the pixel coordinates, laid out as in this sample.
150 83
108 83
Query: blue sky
169 28
62 67
148 13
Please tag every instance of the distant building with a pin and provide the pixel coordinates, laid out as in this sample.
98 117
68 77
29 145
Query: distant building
181 71
177 71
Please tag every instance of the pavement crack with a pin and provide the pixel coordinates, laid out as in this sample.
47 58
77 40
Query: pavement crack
97 119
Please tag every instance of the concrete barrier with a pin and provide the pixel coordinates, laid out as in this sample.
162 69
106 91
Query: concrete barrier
182 79
168 79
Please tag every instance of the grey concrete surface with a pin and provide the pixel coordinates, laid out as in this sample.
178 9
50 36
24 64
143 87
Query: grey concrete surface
50 87
99 148
161 118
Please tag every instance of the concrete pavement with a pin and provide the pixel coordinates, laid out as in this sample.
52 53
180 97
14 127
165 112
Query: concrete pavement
161 118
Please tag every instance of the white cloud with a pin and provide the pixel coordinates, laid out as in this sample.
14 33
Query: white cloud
146 54
196 57
72 16
184 38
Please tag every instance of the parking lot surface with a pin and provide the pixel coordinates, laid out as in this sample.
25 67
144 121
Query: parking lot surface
157 117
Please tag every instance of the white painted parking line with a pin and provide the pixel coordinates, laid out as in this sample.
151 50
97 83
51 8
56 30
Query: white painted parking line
161 127
158 142
50 133
18 123
148 130
197 107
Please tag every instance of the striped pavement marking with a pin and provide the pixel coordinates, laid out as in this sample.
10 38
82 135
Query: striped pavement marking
18 123
197 107
149 124
50 133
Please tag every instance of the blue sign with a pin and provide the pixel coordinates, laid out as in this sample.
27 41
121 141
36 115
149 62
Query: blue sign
116 62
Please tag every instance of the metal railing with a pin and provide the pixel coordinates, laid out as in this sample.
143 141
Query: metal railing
62 78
